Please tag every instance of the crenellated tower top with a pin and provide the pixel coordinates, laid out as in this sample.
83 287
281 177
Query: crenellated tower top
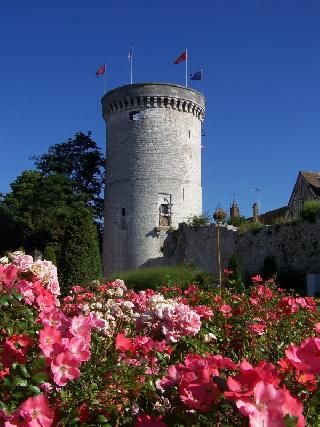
153 95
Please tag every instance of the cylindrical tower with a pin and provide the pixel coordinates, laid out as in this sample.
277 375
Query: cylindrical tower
153 170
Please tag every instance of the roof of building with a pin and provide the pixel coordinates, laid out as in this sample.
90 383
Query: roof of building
268 217
313 178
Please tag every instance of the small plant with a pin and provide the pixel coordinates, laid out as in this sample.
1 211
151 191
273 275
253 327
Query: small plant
254 227
311 210
280 220
236 221
198 220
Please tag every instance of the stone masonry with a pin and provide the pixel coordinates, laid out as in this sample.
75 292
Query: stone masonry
293 246
153 165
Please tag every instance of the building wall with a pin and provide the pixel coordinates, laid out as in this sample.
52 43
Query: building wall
302 191
293 246
152 160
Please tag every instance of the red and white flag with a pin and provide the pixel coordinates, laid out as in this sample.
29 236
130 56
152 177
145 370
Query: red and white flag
101 70
181 58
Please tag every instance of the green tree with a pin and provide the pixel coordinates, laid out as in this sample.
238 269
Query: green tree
80 258
81 161
33 214
42 212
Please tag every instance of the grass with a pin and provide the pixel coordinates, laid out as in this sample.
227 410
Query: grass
155 277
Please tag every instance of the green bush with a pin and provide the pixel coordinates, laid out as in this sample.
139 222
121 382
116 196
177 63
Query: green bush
280 220
236 221
50 254
155 277
80 260
253 227
311 210
197 220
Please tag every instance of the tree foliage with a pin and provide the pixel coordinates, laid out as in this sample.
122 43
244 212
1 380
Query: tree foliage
81 161
80 261
42 212
34 212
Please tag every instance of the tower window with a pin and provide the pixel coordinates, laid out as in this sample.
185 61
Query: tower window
164 209
135 115
189 133
123 211
183 194
165 215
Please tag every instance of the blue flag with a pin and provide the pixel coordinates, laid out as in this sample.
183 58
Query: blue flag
196 76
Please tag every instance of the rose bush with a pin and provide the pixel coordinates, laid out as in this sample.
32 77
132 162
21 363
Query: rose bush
106 355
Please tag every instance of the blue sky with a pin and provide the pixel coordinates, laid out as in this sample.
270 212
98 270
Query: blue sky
261 66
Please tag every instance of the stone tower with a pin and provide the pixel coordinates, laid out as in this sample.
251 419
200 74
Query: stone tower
234 210
153 170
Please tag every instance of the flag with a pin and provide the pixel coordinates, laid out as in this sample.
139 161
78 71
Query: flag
181 58
101 70
196 76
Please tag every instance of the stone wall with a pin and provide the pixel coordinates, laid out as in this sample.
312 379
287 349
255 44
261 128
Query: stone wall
293 246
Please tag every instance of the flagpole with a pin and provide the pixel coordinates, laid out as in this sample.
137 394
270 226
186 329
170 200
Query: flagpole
105 78
186 67
130 58
201 71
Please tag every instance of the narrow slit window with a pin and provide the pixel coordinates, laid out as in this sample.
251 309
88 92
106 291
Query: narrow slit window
123 211
135 115
183 194
189 133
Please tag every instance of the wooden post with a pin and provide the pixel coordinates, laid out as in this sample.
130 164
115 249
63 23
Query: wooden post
219 257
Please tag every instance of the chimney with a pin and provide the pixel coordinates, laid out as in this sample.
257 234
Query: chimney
234 210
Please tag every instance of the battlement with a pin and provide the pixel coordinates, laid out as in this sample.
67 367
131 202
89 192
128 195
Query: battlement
153 95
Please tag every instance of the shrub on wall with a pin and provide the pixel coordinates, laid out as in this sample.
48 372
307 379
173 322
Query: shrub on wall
197 220
236 221
311 210
254 227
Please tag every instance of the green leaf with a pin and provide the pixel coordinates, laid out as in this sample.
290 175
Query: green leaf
40 377
4 300
18 394
102 419
34 389
7 382
10 331
17 295
290 421
21 382
2 405
38 363
24 371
